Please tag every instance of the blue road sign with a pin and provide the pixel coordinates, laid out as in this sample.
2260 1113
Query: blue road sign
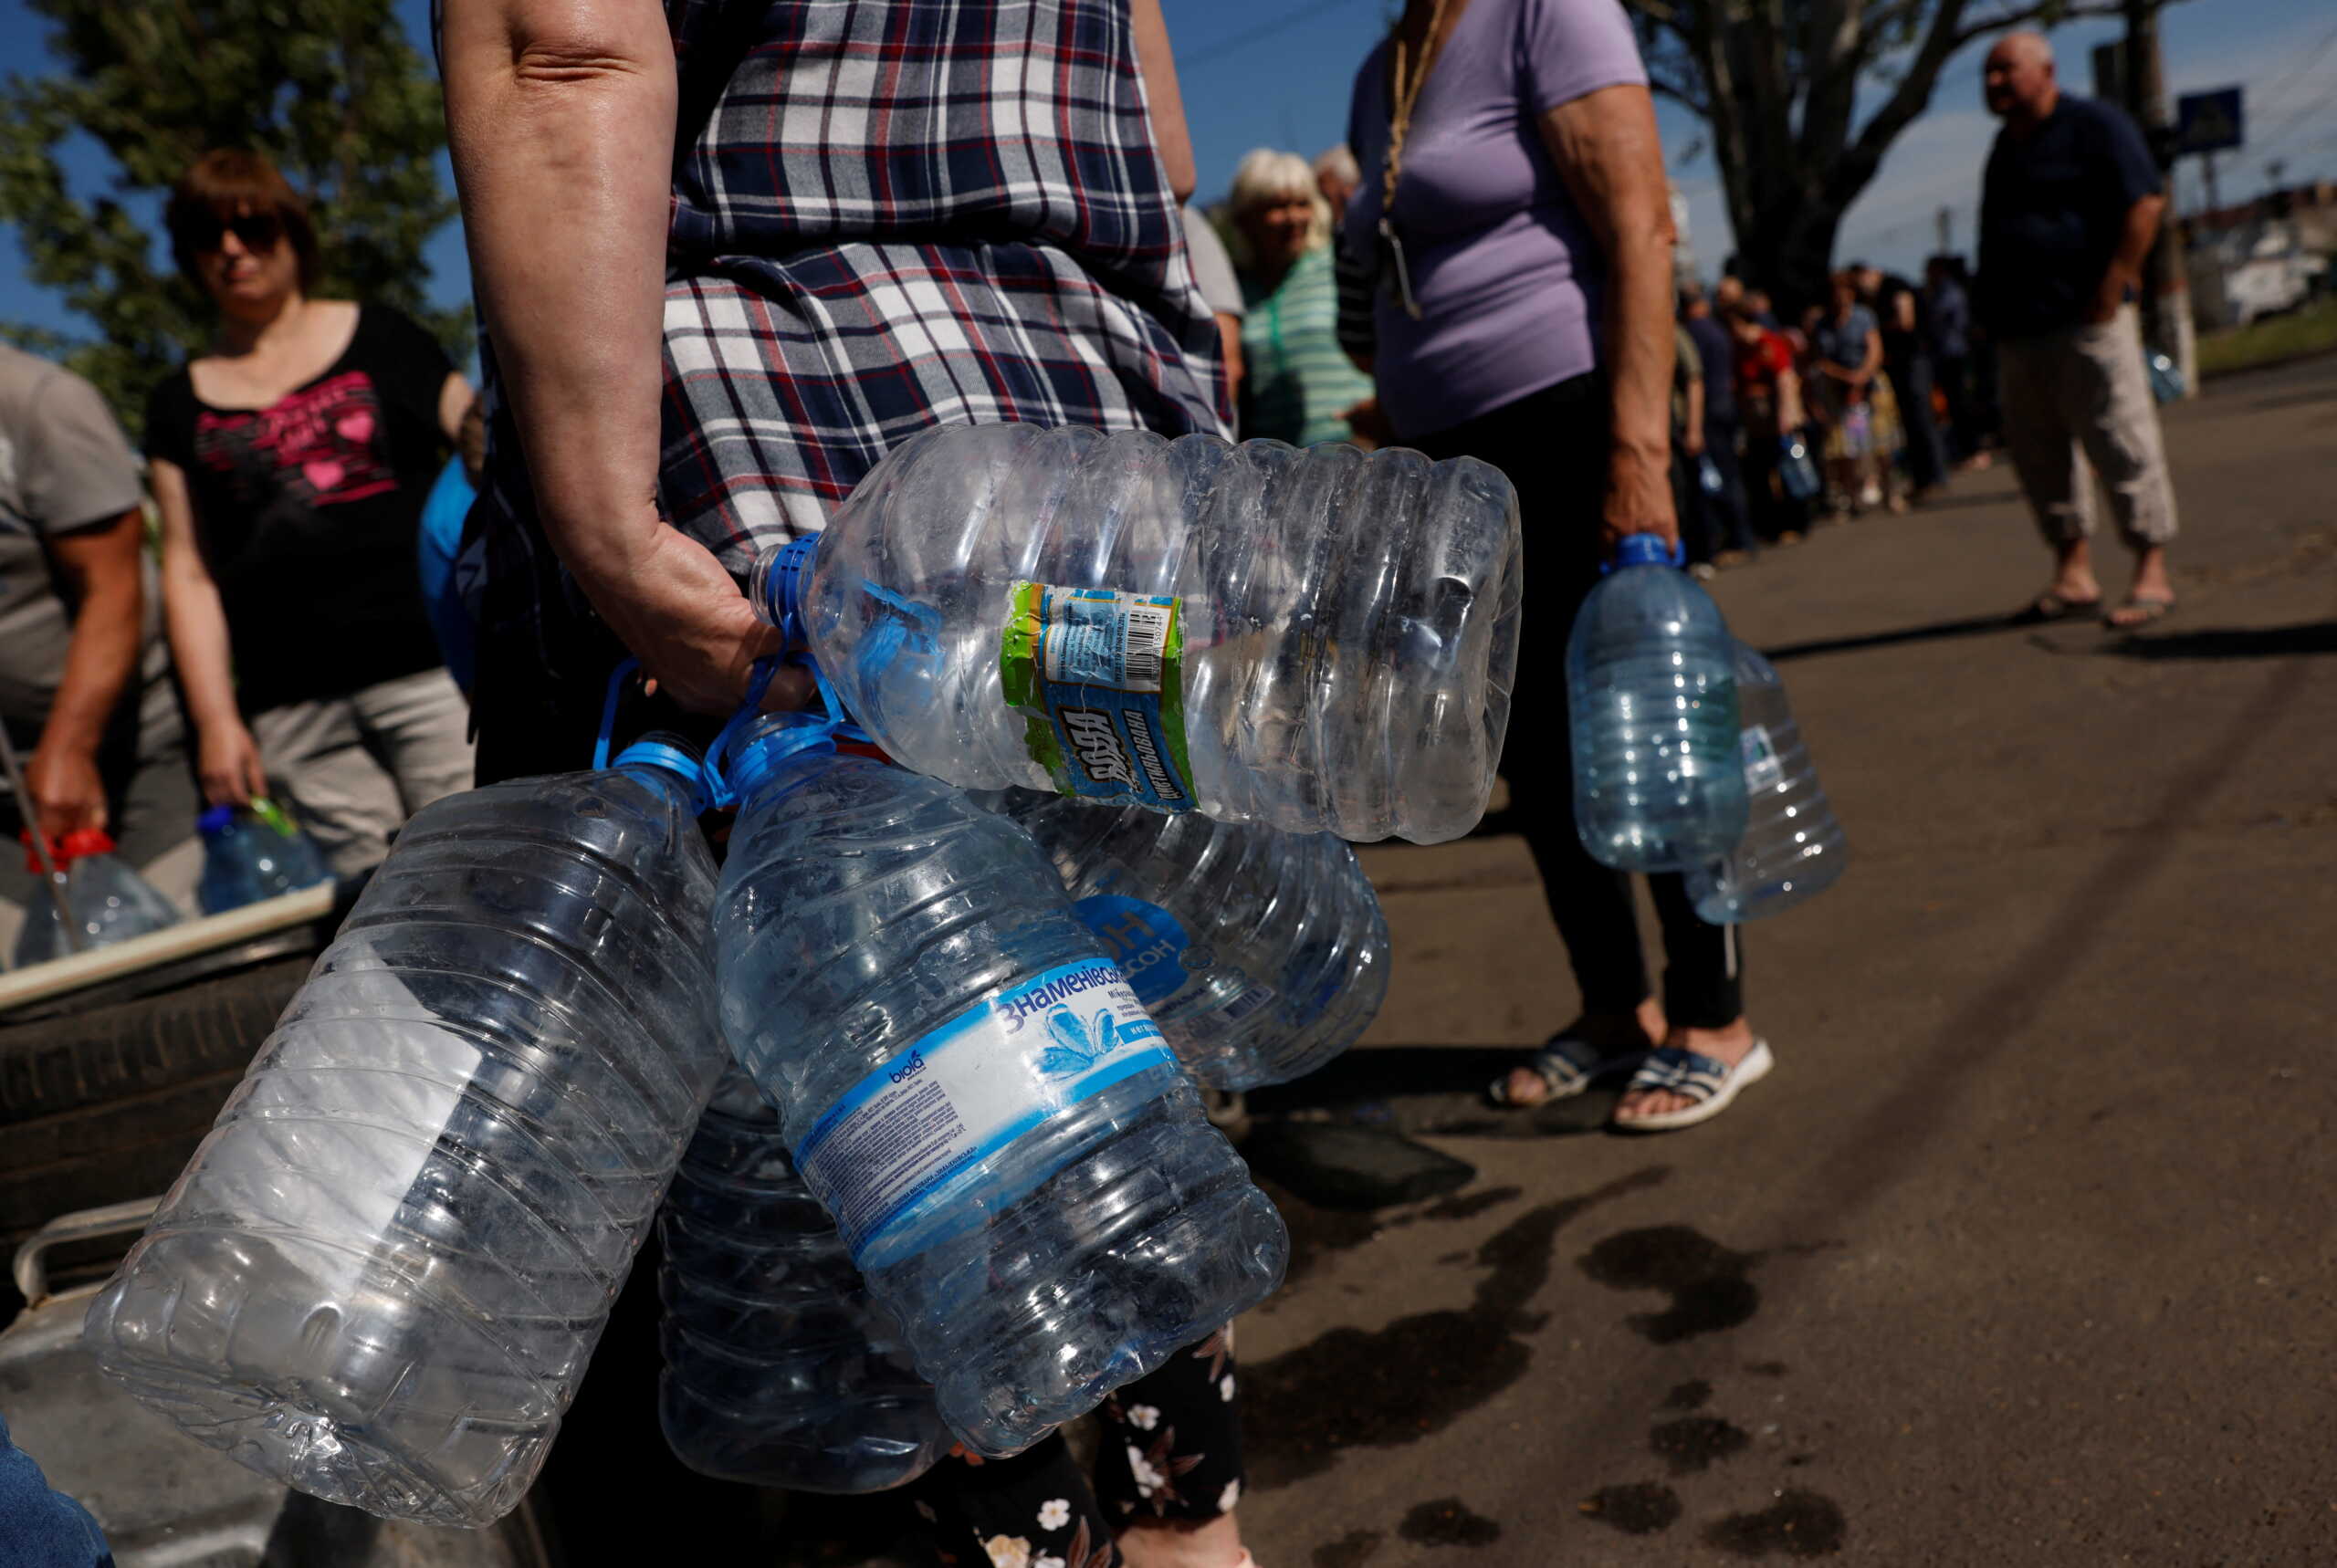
2208 121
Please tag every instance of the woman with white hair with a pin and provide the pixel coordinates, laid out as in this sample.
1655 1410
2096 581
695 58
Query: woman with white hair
1300 386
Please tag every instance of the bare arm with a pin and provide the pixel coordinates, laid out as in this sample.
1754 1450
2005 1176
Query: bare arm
1606 148
226 757
2134 241
1170 139
99 565
1692 438
1791 417
560 114
453 401
1228 337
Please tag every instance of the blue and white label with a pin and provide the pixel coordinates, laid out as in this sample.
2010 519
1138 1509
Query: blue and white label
1144 940
1763 767
891 1149
1099 674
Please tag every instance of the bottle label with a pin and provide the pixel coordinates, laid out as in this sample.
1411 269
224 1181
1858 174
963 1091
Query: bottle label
1098 674
887 1153
1763 770
1178 980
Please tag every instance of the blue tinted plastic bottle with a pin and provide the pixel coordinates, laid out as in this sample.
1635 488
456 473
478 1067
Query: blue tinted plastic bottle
782 1369
1658 780
973 1091
1793 849
110 903
248 858
380 1277
1261 954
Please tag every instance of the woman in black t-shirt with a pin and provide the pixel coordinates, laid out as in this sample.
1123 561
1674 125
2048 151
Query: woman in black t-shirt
291 466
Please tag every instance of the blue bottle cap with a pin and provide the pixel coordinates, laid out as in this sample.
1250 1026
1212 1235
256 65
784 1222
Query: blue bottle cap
778 582
770 741
1642 550
662 748
215 821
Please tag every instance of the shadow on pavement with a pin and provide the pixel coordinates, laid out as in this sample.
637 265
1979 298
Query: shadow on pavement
1432 1089
1937 631
2233 643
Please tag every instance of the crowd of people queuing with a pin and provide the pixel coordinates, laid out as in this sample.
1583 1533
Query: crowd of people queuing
1484 267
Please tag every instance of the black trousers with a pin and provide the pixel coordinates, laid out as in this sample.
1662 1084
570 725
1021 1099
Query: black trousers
1724 517
1554 444
1926 451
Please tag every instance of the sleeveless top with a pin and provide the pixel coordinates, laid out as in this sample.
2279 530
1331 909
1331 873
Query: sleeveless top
886 216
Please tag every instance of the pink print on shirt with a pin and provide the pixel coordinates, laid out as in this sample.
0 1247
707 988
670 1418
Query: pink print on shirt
324 442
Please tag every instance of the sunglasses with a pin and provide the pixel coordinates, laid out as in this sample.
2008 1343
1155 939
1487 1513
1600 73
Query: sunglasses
256 232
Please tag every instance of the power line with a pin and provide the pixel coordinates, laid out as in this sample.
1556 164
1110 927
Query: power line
1265 29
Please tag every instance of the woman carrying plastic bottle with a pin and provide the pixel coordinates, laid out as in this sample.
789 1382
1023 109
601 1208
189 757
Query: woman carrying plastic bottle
701 334
1514 208
1299 387
290 464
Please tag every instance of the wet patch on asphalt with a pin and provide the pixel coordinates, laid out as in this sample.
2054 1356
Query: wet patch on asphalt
1710 1286
1448 1522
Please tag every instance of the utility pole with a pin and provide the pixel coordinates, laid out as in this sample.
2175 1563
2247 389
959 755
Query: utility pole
2167 292
1947 231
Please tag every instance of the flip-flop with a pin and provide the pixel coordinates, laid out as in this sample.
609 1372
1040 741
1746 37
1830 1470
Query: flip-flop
1567 1065
1708 1082
2052 606
2152 610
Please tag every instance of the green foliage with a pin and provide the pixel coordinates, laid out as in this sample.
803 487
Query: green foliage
329 89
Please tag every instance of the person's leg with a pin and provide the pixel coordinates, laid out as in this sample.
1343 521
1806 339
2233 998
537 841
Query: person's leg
2044 452
1704 993
1926 452
1730 527
316 759
2117 423
1544 443
976 1512
418 728
1169 1464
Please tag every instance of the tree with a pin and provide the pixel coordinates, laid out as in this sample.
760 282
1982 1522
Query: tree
1776 84
329 89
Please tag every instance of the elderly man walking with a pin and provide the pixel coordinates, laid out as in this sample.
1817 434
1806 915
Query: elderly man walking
2069 205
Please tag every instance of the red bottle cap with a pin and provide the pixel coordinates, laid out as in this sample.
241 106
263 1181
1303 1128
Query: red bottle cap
79 842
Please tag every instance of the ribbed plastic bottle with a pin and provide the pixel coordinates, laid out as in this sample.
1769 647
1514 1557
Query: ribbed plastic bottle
782 1369
249 856
110 903
1261 954
1317 639
1650 684
1793 849
968 1084
1797 469
379 1278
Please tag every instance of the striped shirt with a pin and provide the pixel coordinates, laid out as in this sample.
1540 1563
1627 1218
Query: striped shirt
886 216
1300 380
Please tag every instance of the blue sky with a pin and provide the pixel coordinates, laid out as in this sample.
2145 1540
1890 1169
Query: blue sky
1277 72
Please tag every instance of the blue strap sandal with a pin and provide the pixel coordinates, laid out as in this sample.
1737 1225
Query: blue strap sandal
1707 1081
1566 1066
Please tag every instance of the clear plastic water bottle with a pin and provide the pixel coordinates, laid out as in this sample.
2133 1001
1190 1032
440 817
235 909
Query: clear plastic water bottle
782 1369
110 903
1261 954
1795 469
1317 639
249 856
1709 477
379 1278
968 1084
1658 785
1793 849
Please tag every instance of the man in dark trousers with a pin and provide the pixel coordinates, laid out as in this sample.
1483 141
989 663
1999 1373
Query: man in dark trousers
1727 534
2069 208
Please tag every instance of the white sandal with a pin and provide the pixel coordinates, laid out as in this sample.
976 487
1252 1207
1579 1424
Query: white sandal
1566 1066
1708 1082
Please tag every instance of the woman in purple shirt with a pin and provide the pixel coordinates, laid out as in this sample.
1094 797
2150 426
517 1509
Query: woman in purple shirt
1514 214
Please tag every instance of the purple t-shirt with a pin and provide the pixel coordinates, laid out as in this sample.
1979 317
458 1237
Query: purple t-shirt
1508 275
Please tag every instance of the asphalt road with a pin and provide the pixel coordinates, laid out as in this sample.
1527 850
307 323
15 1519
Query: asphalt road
2023 1255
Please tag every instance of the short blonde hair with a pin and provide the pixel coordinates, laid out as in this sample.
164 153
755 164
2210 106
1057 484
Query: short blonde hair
1265 178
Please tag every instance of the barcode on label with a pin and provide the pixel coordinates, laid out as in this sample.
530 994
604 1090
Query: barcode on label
1247 1003
1147 636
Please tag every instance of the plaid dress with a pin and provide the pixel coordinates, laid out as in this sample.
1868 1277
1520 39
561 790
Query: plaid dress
887 215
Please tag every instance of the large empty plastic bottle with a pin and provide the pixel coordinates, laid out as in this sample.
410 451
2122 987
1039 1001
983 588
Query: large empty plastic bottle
379 1278
1261 954
970 1086
782 1369
1793 847
1318 639
110 903
1657 782
248 857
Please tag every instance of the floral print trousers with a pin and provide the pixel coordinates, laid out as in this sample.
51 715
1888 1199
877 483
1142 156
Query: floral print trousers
1170 1448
